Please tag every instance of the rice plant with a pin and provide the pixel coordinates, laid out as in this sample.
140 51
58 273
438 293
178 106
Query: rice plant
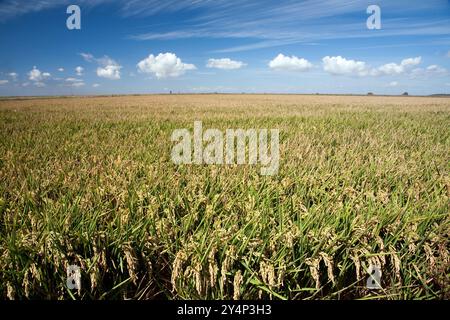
89 181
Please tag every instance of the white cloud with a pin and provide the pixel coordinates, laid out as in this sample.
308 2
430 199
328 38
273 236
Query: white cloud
61 69
225 64
74 80
95 85
108 68
87 56
37 76
448 54
395 69
79 70
164 65
389 69
432 70
13 76
40 84
341 66
393 84
4 82
411 62
285 63
111 72
280 25
436 69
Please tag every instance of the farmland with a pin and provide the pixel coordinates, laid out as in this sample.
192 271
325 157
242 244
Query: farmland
89 181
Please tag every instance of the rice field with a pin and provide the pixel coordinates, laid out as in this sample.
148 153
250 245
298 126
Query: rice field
89 181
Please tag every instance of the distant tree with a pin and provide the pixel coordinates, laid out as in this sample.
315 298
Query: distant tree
405 94
370 94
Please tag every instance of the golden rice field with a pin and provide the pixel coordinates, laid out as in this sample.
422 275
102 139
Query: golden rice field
89 181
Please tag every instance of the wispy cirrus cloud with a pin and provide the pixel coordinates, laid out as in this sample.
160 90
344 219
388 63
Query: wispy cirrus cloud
311 34
278 23
10 9
270 24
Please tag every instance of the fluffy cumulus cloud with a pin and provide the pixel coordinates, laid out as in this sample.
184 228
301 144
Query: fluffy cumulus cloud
61 69
395 69
286 63
107 67
3 82
164 65
111 72
35 74
38 77
79 70
225 64
341 66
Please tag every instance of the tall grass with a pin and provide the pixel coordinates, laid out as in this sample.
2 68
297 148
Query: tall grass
89 181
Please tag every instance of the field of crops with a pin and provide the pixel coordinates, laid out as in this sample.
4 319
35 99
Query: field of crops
89 181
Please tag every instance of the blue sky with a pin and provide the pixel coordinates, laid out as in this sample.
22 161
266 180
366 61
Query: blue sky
138 46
